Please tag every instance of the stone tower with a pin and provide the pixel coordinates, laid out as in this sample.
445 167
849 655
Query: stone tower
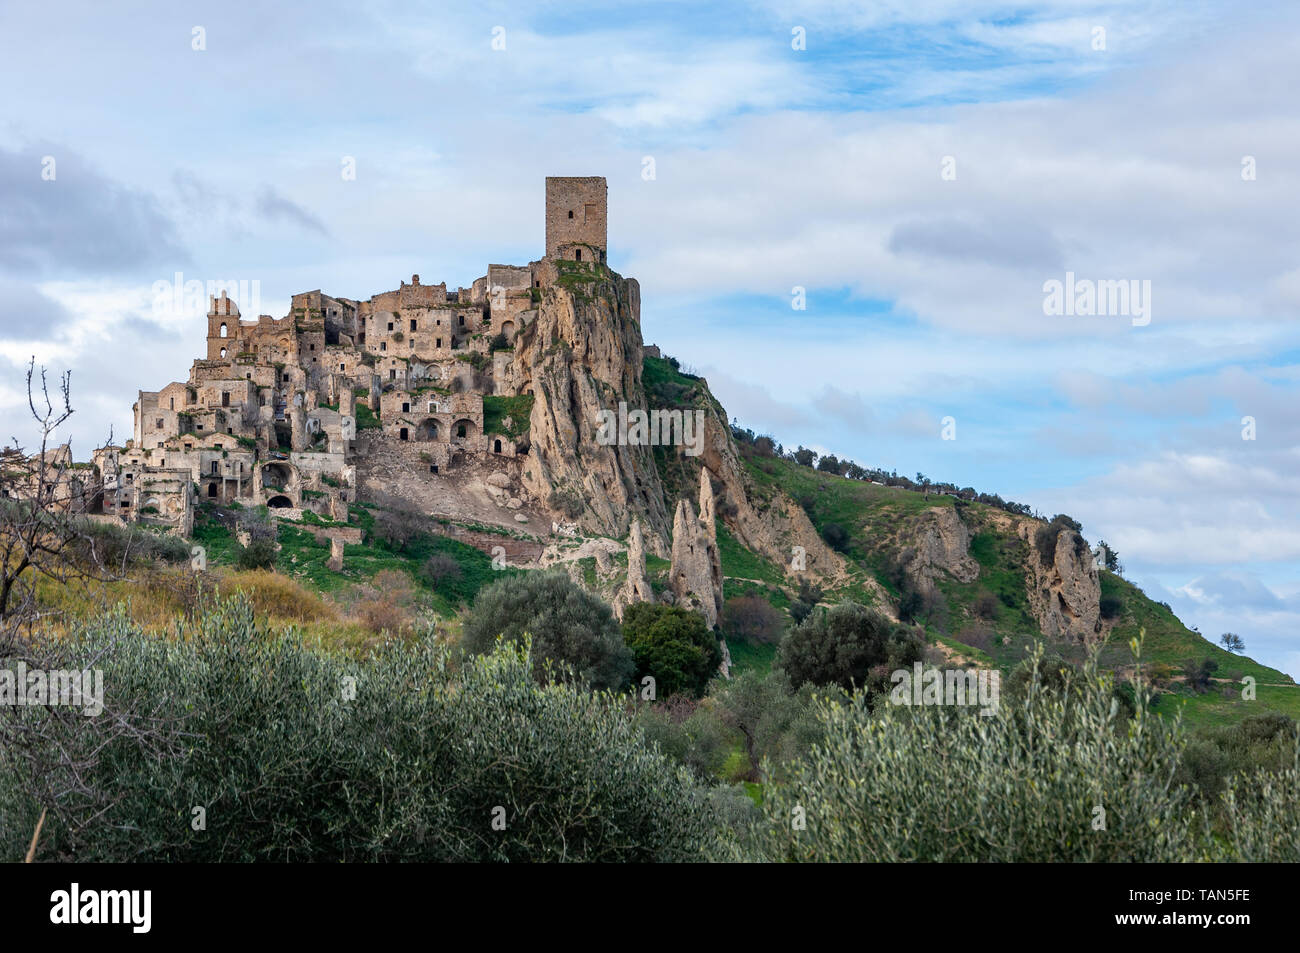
576 213
223 326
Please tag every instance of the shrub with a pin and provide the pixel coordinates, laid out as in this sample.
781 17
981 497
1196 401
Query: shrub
836 536
944 783
671 645
568 625
259 730
753 619
775 724
1215 754
699 740
258 554
978 636
849 645
399 523
1263 815
567 501
1199 674
384 604
803 604
1110 607
986 607
106 545
279 597
440 568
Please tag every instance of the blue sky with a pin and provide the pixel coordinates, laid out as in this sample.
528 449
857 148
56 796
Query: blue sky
774 168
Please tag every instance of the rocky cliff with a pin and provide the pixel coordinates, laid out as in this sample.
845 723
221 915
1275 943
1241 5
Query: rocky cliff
1064 595
942 546
581 354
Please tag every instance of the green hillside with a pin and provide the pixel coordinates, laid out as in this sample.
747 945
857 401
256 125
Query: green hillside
876 520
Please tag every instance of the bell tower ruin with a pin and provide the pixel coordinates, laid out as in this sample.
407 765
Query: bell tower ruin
223 327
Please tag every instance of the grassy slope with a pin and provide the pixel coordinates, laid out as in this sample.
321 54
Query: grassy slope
303 558
873 515
1170 642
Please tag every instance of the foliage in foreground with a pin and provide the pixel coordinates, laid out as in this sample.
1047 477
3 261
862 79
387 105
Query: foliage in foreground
1053 776
289 764
260 733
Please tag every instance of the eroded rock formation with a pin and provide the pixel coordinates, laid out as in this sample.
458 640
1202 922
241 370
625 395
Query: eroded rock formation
637 588
696 572
1064 596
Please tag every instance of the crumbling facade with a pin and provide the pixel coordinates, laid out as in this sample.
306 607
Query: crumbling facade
280 411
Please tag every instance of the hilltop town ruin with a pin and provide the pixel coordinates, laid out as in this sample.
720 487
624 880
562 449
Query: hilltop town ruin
281 411
479 406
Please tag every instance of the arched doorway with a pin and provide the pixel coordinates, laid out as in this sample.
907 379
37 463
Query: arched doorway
279 503
428 430
462 430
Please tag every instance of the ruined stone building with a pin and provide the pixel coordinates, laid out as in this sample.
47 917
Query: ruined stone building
281 411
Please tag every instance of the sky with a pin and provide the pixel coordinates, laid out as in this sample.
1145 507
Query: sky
846 215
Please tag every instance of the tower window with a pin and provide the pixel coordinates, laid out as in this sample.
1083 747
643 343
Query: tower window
570 213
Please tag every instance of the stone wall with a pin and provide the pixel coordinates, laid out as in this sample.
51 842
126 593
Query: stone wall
576 213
